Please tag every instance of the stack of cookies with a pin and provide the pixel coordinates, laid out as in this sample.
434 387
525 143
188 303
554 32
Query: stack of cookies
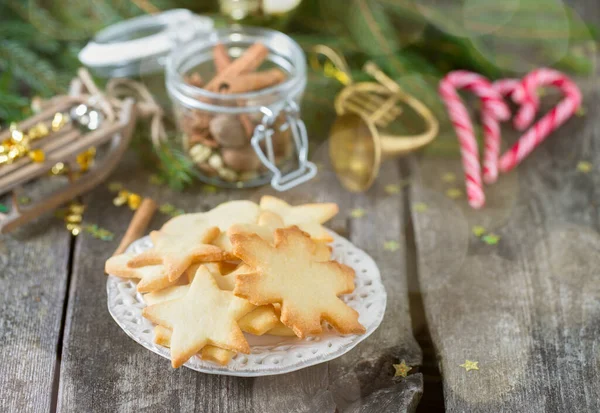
241 267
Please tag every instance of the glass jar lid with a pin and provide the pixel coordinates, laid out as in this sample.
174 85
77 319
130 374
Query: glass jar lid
140 45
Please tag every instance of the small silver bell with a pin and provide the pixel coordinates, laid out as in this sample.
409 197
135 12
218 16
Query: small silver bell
86 117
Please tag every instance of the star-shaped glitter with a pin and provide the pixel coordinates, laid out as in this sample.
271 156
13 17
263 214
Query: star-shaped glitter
584 166
420 207
401 369
155 180
454 193
209 189
391 246
115 186
358 213
478 230
392 189
491 239
469 365
449 177
580 112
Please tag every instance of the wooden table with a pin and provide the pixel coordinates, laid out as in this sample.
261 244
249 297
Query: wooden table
527 309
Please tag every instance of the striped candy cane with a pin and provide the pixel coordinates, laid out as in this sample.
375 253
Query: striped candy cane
493 108
529 105
506 88
527 96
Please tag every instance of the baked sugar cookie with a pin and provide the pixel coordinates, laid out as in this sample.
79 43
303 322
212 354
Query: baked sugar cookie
205 315
288 273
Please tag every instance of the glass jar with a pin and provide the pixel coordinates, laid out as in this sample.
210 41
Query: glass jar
242 139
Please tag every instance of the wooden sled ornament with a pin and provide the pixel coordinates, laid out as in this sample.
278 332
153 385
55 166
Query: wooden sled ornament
63 146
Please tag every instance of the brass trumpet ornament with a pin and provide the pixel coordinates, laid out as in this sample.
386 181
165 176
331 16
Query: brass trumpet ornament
357 146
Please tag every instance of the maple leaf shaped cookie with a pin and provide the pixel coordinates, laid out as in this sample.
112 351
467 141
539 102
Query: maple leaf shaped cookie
268 222
307 217
287 273
205 315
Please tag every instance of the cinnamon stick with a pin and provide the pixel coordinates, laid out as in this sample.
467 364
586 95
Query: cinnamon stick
137 226
194 79
221 57
249 61
249 82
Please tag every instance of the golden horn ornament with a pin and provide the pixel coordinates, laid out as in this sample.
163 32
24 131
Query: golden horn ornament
356 146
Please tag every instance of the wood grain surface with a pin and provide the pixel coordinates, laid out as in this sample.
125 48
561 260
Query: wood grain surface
33 278
103 370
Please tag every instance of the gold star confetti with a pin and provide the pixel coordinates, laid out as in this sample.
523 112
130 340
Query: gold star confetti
580 112
115 186
584 167
491 239
391 246
155 180
401 369
24 200
170 210
478 230
358 213
420 207
392 189
99 233
469 365
209 189
454 193
449 177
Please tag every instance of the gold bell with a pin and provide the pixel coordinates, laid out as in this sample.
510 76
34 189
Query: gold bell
356 145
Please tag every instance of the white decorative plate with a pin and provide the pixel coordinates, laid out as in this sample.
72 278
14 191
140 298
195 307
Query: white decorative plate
269 354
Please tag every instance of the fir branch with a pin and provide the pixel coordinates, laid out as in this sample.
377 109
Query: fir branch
29 67
175 167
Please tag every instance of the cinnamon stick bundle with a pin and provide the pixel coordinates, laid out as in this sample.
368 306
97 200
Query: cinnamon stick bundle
249 61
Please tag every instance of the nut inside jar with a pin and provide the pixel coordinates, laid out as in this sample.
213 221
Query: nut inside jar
219 142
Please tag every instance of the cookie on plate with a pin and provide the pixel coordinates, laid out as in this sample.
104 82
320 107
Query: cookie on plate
205 315
287 273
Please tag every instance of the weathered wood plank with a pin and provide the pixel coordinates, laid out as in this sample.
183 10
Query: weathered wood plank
526 309
33 278
104 370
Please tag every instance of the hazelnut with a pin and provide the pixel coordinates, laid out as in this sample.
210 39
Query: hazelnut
228 131
207 169
241 160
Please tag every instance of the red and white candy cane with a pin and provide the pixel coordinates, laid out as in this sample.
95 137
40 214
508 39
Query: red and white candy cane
529 105
494 108
527 96
506 88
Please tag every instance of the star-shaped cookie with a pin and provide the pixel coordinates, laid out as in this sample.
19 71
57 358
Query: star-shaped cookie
205 315
307 217
177 251
151 277
162 337
183 239
287 273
